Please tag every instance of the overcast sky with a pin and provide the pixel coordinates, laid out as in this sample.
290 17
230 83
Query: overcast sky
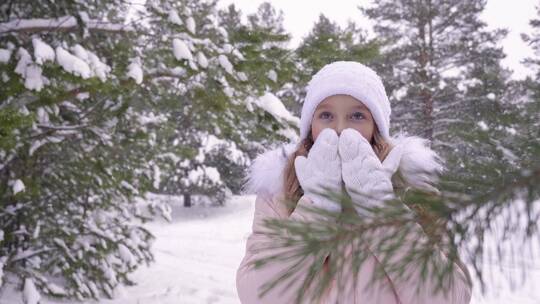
301 14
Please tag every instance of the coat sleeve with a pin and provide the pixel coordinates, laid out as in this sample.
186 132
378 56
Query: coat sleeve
413 289
250 280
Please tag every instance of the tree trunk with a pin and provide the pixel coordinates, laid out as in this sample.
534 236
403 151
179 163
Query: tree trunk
187 200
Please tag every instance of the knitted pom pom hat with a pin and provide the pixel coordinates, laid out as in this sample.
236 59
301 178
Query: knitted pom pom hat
347 78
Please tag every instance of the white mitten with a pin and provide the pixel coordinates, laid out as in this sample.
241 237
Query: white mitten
367 180
321 170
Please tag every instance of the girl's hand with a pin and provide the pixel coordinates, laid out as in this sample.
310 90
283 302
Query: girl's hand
367 180
321 170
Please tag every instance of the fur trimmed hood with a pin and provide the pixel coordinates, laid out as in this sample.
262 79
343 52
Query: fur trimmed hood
419 167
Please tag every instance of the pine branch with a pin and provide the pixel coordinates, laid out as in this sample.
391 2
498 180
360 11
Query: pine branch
369 234
447 220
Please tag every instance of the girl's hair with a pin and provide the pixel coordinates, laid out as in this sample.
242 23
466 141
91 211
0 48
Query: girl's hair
293 190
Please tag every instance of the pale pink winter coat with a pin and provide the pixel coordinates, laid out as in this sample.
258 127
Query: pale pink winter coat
265 179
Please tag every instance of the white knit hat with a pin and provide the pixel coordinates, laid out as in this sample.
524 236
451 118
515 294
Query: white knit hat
348 78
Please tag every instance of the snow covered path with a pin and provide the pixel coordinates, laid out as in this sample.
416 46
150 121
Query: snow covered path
196 256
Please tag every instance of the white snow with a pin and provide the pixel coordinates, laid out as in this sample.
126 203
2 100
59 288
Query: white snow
197 255
178 71
65 22
225 63
242 76
18 186
507 153
238 54
181 50
135 70
55 289
270 103
196 176
151 118
510 263
24 110
30 293
62 22
42 115
80 96
491 96
128 186
42 51
400 93
33 80
24 61
193 66
511 130
126 255
227 48
72 64
157 176
229 92
272 75
80 52
223 32
289 133
109 274
5 54
29 71
84 16
483 125
35 145
190 24
100 69
203 62
173 157
212 142
213 174
174 18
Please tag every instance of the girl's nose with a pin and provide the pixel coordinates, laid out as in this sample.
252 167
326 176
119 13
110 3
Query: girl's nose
340 126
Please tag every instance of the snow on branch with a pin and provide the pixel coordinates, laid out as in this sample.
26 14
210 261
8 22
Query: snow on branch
66 23
50 127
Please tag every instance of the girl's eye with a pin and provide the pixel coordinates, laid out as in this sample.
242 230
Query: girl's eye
357 116
325 115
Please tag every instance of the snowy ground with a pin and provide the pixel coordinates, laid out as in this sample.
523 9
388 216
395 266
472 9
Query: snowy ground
198 252
196 256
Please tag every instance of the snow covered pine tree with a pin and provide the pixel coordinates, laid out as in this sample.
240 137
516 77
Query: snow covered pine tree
101 102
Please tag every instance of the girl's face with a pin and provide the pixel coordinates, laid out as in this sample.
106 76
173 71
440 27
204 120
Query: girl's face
340 112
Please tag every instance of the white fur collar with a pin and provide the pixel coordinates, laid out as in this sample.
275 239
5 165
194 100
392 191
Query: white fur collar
419 167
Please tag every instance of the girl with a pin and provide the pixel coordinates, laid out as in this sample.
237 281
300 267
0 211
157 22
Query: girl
344 142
